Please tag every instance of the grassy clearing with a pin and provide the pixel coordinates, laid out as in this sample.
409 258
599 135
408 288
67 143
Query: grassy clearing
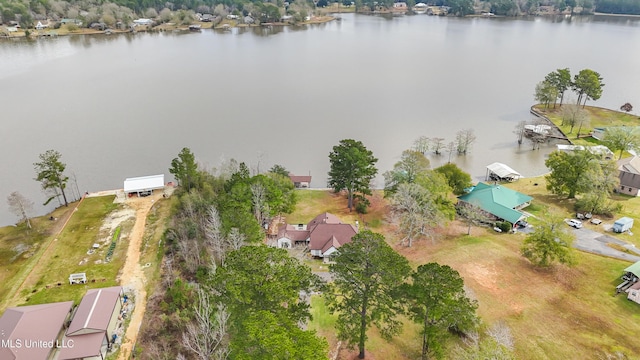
541 306
599 117
21 248
69 254
312 203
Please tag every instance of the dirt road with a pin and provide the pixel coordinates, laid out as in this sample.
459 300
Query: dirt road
132 277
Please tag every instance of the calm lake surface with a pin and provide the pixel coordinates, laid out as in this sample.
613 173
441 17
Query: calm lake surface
124 106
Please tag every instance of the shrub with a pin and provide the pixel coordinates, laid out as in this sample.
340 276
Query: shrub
505 226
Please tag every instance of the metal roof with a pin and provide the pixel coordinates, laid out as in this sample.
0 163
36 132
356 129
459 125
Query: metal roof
502 170
29 325
83 346
634 269
95 310
497 200
144 183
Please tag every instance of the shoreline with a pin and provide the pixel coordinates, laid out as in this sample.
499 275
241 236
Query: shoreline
36 34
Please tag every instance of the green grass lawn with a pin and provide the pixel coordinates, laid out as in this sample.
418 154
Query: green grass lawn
68 254
598 117
312 203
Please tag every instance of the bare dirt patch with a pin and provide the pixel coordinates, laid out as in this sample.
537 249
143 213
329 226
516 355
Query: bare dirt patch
132 277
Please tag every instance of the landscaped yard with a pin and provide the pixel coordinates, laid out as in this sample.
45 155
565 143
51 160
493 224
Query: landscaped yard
556 313
598 117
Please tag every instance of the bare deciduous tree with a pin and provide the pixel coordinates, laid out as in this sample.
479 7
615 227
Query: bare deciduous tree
501 333
437 144
20 206
207 335
451 147
235 239
213 234
422 144
519 131
415 212
464 139
259 202
472 214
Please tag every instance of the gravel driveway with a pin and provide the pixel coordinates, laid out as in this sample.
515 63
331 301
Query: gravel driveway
596 243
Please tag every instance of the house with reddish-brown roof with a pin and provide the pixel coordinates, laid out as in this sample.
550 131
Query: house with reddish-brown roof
323 235
300 181
93 324
33 332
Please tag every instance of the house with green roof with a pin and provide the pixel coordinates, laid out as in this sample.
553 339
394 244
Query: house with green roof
498 201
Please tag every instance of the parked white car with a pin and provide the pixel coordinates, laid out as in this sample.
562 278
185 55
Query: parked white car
575 223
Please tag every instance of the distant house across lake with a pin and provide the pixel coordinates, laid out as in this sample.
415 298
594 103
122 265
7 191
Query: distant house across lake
300 182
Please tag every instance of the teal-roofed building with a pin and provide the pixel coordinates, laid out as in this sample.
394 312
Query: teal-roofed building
500 202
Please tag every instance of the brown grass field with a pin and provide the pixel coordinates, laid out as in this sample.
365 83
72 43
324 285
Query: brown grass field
556 313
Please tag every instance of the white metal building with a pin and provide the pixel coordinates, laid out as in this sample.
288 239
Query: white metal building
143 185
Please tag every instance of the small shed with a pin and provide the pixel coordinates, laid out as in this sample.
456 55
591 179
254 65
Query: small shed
633 293
501 172
623 224
144 185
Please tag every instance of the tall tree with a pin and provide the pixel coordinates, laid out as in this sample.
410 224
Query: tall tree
185 169
415 211
411 165
545 93
457 179
20 206
588 84
437 301
561 81
261 288
51 173
279 169
567 169
352 168
549 242
367 273
460 7
621 139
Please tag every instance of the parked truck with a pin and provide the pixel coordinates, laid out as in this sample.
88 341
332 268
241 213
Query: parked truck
623 224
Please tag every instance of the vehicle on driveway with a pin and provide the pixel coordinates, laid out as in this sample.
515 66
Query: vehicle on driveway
575 223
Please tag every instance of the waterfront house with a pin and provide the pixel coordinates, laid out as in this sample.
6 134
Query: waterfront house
497 202
33 332
629 175
324 235
42 24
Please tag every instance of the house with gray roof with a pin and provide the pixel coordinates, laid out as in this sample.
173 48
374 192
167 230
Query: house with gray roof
629 175
33 332
500 202
324 235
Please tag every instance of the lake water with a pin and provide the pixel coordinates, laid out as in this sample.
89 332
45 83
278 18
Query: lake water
124 106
